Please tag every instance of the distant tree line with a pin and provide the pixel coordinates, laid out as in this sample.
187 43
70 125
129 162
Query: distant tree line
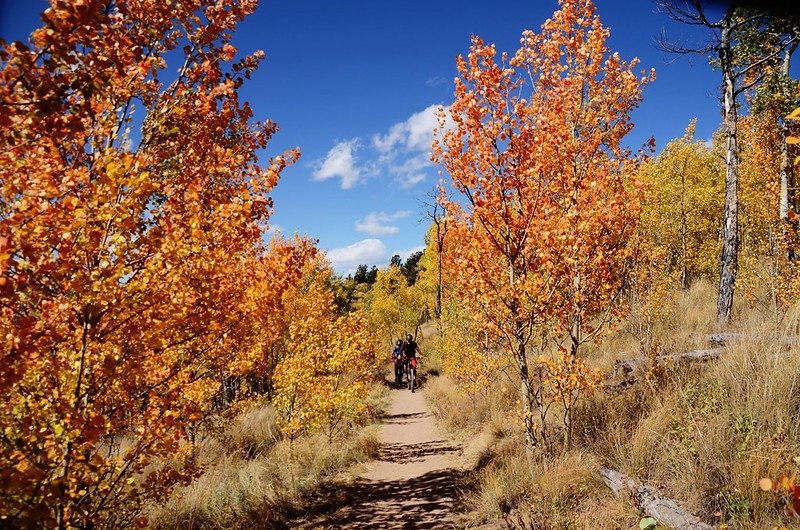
352 287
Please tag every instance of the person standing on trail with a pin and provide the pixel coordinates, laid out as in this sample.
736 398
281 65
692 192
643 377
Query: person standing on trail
397 358
410 351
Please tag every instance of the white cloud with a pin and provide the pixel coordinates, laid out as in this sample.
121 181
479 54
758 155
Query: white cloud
340 162
376 223
411 180
410 171
405 148
367 251
403 152
420 128
404 254
386 143
414 134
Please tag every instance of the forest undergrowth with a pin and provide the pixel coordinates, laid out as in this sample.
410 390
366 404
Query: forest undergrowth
702 434
256 476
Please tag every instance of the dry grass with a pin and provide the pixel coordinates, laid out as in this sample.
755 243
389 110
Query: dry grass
463 415
559 492
702 434
236 492
255 477
708 433
685 325
705 434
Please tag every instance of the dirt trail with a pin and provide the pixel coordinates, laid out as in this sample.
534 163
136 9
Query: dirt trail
412 482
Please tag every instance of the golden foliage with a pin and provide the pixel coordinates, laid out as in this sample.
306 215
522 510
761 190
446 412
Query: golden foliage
468 356
394 308
760 231
321 380
682 213
788 284
131 265
540 211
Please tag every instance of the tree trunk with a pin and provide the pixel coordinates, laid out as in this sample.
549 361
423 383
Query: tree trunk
441 230
575 330
528 399
629 368
61 521
439 246
730 222
783 205
684 245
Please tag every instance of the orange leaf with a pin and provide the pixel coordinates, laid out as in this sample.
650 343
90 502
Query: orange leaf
794 115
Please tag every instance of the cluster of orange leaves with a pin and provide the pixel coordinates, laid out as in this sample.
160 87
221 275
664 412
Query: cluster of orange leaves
540 210
566 377
133 274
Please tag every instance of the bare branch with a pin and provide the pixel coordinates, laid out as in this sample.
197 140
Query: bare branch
692 16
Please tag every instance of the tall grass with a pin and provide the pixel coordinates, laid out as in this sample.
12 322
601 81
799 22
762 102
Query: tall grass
703 434
254 477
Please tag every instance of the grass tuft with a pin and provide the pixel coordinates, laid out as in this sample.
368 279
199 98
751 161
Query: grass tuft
702 434
255 477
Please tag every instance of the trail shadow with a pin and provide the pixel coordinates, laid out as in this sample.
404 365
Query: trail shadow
426 501
402 453
419 503
402 386
402 419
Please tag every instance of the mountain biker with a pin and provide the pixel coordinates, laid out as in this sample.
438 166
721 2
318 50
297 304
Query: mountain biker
410 351
397 354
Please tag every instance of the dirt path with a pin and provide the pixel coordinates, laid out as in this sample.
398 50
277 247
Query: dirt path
412 482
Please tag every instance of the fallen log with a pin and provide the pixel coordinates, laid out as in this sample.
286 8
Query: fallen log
626 367
720 339
663 510
625 370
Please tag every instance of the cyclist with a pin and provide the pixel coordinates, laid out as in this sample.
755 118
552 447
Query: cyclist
397 354
410 352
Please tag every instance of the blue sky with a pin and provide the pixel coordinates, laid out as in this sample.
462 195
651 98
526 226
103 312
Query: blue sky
354 83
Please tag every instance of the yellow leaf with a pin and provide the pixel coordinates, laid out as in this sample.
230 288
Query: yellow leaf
794 115
792 140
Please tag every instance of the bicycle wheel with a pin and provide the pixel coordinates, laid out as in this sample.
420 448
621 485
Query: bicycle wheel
412 378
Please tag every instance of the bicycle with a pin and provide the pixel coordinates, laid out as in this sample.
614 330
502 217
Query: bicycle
411 373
